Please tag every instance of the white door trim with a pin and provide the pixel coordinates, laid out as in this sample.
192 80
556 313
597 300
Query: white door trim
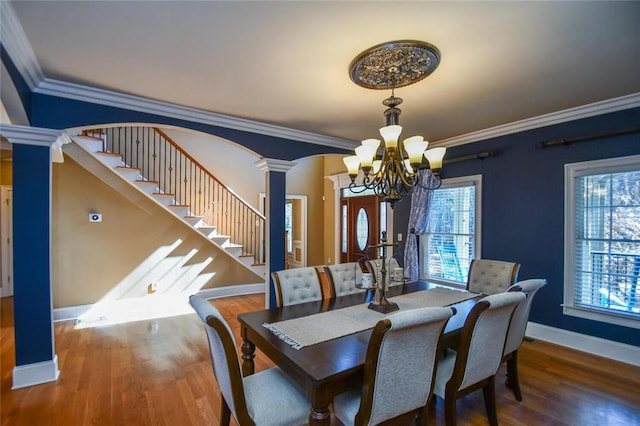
6 240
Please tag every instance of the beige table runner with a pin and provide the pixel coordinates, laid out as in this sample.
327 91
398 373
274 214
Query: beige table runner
313 329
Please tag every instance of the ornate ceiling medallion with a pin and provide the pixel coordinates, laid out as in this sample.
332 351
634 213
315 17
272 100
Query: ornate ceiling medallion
394 64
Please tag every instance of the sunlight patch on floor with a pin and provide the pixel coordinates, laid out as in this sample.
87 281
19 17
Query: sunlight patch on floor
135 309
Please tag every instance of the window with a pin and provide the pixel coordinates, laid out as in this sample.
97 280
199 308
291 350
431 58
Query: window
602 240
452 239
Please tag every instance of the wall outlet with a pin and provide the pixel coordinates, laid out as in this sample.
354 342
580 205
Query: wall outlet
399 237
328 261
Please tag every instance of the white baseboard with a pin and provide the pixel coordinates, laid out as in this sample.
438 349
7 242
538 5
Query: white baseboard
72 313
36 373
594 345
236 290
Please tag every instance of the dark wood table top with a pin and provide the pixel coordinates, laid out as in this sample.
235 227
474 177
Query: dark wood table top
330 367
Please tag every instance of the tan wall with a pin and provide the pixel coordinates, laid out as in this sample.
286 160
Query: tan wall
297 219
332 165
130 248
6 167
306 178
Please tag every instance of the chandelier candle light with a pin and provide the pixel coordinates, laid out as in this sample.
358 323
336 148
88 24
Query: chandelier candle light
389 66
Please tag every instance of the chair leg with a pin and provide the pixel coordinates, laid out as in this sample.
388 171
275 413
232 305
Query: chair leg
225 413
513 382
489 393
423 414
450 408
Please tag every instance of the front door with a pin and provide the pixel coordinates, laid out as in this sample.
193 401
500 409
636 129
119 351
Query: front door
360 225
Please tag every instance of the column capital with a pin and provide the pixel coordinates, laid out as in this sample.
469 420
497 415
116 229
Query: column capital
275 165
29 135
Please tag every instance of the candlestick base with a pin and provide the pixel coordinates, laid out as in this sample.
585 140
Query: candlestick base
384 306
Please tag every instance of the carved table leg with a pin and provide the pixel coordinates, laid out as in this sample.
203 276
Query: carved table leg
248 354
320 416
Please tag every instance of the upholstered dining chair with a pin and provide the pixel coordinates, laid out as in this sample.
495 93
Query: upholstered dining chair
517 329
374 266
475 363
399 370
268 397
491 276
343 278
297 285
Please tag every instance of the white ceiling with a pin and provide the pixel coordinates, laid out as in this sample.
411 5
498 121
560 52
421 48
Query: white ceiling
286 63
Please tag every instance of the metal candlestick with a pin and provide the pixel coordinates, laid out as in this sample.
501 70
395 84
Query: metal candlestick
380 302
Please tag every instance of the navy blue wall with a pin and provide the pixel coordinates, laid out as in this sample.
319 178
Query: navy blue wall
19 83
523 205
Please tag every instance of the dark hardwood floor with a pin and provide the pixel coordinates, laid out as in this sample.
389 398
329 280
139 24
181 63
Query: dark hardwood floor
158 372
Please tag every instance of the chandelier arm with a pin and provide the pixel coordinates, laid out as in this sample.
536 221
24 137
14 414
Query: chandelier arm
353 187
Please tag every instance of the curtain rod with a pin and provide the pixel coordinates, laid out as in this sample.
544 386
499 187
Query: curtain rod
477 156
548 144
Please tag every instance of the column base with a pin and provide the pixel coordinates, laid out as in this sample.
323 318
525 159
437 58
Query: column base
36 373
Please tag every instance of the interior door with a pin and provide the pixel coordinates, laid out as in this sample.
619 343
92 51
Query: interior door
360 224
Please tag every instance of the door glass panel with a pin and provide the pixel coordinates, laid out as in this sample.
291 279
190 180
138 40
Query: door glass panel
344 228
362 229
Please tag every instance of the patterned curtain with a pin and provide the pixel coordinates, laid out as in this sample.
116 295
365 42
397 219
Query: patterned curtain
418 221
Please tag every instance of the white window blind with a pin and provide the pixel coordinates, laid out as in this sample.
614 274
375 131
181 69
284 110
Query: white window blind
451 239
602 252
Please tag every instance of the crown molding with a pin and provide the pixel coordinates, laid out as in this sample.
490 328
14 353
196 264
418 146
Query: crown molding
150 106
166 109
17 45
584 111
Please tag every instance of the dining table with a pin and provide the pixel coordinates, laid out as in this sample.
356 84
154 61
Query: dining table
332 366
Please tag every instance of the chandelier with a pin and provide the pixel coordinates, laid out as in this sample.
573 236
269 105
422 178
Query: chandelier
394 174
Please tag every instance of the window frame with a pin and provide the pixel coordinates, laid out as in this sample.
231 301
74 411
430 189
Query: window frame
458 182
572 172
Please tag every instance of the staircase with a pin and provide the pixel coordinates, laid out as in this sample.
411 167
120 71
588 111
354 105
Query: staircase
151 161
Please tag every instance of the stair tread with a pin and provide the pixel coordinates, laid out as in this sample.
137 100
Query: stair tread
112 154
128 168
147 181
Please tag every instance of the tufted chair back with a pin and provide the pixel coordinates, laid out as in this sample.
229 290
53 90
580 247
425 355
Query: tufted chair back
375 267
491 276
343 278
297 285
